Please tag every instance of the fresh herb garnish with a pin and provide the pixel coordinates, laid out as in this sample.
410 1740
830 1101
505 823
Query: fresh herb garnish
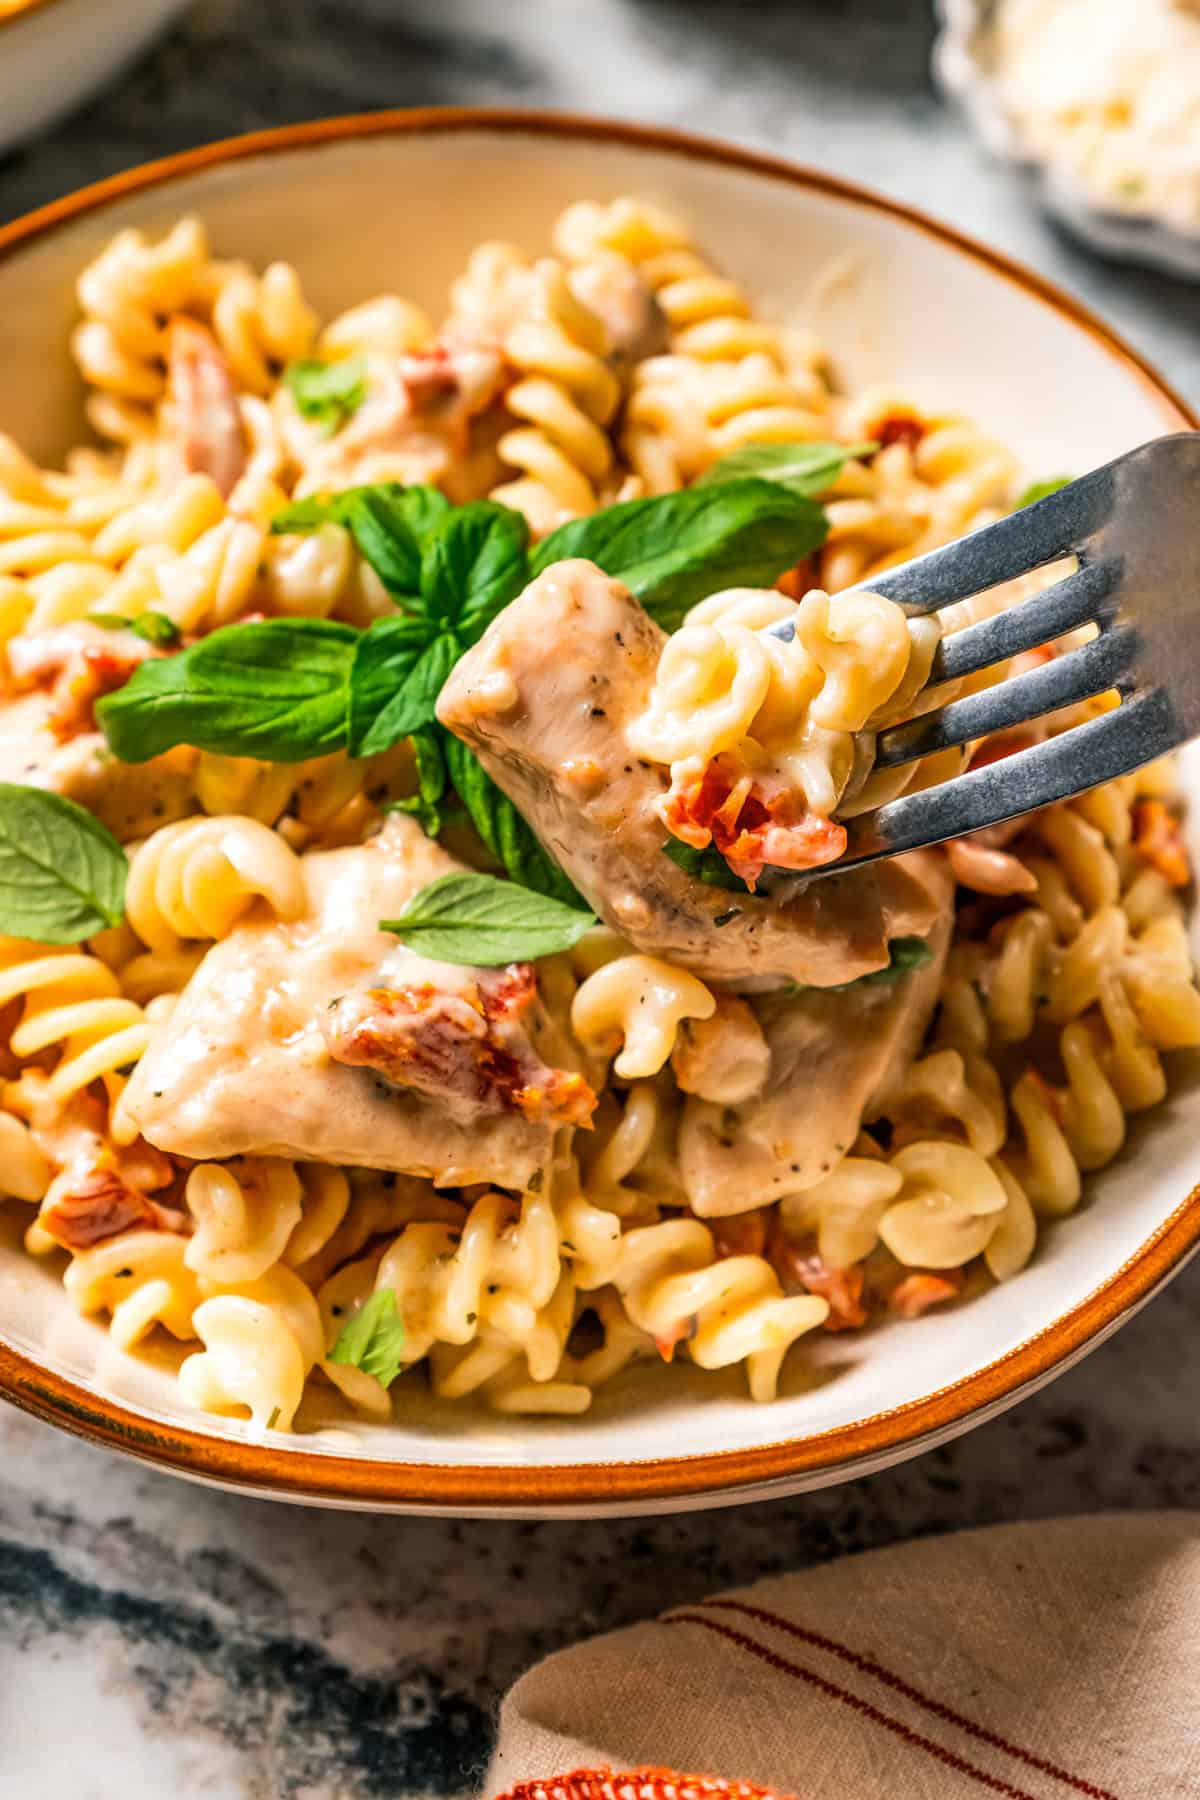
673 550
152 627
485 922
807 469
390 524
472 566
426 804
1041 490
395 679
904 955
373 1340
276 689
62 873
328 393
503 829
707 865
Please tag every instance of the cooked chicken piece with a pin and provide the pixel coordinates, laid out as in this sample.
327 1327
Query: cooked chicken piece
202 415
545 699
414 424
724 1058
623 301
321 1038
833 1057
48 737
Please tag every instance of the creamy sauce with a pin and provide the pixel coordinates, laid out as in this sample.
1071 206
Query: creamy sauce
242 1065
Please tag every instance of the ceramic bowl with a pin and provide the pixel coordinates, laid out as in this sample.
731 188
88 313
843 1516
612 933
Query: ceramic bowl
962 68
396 201
54 53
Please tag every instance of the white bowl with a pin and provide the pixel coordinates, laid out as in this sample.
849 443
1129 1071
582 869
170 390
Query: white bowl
54 53
397 201
961 66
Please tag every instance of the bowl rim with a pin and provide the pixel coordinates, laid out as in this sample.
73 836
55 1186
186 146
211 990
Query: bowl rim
21 9
515 1488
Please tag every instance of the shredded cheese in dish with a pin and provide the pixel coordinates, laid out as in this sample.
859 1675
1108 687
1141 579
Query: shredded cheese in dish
1109 93
413 738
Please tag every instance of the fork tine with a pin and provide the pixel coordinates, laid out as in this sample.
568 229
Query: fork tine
1077 676
1025 540
1076 600
1144 728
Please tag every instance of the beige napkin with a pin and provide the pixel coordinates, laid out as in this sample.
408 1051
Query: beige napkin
1040 1662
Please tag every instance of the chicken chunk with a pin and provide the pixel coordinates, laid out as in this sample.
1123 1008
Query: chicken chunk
832 1058
48 736
203 417
545 700
322 1038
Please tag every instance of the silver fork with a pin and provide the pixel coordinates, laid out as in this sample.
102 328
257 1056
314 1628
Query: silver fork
1134 525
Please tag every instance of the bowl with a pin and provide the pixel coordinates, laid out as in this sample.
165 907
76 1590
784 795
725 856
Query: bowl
362 204
962 67
54 53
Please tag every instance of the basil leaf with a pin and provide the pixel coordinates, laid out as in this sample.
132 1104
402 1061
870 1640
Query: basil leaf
674 549
904 955
425 804
391 526
1041 490
395 680
485 922
62 873
473 566
808 469
328 393
276 689
502 828
373 1340
152 627
707 865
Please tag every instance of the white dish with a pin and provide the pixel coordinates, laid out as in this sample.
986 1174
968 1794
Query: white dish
54 53
915 304
961 65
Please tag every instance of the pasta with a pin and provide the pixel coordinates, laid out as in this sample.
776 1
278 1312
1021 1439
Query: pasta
261 1114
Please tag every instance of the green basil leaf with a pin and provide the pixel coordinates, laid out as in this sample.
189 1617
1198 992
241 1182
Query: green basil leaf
152 627
62 873
425 804
1041 490
391 526
511 841
276 689
473 566
904 955
395 681
672 550
707 865
373 1340
328 393
808 469
480 920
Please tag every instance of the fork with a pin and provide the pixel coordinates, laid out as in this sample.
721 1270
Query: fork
1134 526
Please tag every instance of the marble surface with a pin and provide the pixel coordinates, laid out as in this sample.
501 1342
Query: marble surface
158 1638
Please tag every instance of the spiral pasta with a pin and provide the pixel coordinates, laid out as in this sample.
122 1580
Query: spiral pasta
623 364
567 396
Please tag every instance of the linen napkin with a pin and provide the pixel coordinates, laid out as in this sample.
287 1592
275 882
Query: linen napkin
1036 1661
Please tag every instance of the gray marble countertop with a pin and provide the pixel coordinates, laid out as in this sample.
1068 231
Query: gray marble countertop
158 1638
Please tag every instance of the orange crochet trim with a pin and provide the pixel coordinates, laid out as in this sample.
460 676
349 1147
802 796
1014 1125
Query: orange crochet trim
638 1784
